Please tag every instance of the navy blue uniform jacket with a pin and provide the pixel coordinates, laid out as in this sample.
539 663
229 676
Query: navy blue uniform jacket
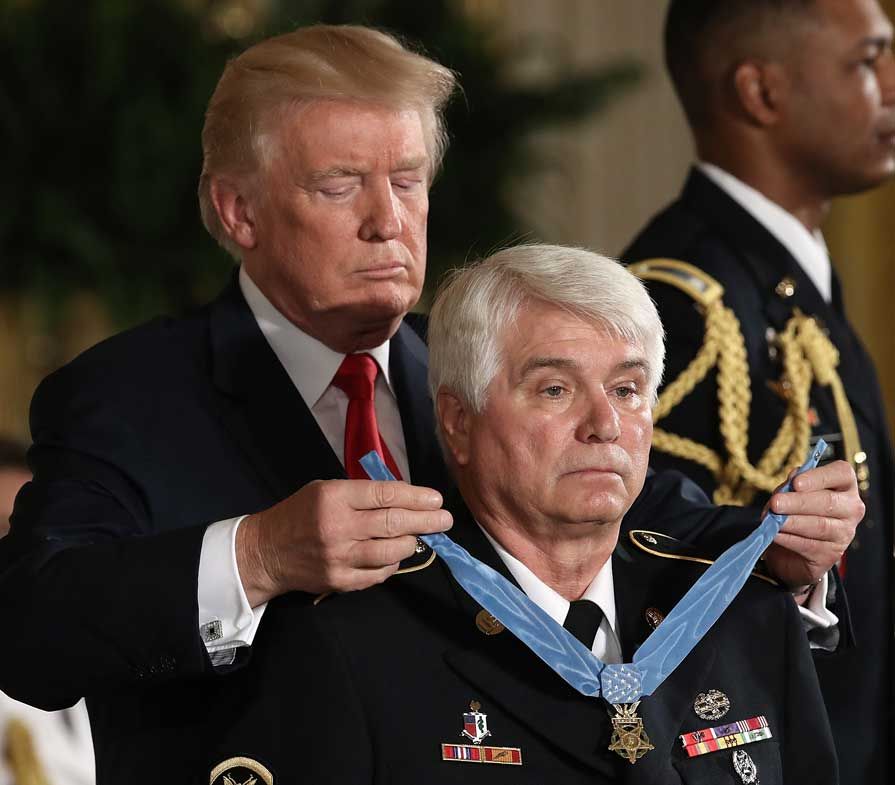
707 228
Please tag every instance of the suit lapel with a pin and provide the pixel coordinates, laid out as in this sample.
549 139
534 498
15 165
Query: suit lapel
408 361
508 674
260 407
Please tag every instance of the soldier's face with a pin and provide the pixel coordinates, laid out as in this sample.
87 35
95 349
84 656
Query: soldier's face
563 440
839 122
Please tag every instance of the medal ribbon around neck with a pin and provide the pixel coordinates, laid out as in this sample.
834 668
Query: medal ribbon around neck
662 651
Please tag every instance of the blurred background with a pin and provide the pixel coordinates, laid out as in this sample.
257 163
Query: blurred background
568 131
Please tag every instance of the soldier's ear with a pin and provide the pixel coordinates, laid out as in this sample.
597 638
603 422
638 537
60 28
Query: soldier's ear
760 90
235 211
453 420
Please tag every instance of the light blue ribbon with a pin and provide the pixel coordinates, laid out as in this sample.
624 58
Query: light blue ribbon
662 651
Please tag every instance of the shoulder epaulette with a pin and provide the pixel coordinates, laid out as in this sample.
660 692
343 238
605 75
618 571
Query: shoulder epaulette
665 547
694 282
415 563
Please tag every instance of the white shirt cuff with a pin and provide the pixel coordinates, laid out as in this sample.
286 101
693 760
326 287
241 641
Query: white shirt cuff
226 620
815 614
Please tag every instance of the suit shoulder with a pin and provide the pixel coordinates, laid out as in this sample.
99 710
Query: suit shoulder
662 546
128 358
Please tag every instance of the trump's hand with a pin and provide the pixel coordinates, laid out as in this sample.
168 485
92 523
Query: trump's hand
334 535
824 509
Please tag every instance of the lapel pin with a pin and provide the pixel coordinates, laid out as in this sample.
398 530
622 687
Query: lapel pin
786 288
745 767
421 547
487 624
475 724
475 728
711 705
653 617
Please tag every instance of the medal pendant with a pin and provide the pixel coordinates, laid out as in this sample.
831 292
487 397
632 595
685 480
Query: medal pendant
628 737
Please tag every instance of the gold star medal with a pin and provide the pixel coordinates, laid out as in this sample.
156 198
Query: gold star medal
628 736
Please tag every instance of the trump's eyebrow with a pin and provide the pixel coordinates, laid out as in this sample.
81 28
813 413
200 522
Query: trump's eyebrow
404 165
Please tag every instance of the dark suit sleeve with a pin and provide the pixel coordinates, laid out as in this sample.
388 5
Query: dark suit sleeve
807 748
97 596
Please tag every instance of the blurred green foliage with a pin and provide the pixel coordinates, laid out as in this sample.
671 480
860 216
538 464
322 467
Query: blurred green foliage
101 108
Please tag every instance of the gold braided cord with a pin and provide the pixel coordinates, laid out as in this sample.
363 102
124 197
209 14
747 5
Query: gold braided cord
808 355
21 756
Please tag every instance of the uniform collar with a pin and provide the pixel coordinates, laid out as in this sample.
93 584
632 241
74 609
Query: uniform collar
807 248
601 589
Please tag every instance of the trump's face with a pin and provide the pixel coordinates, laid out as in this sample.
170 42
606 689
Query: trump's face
563 440
339 220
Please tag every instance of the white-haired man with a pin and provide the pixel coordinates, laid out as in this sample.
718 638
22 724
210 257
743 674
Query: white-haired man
190 470
544 362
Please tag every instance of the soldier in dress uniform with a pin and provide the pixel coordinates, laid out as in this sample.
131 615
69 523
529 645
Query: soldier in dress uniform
791 104
544 363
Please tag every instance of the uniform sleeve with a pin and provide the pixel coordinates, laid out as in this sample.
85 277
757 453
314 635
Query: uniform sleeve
300 709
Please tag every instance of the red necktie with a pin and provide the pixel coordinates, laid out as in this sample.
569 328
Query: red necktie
356 377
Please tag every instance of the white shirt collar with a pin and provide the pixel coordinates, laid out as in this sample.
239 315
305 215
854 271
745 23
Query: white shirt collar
601 591
807 248
311 365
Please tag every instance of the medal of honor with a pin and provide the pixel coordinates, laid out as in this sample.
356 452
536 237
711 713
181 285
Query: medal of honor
620 685
628 737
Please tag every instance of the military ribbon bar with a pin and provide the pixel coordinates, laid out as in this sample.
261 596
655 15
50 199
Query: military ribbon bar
728 742
468 753
753 723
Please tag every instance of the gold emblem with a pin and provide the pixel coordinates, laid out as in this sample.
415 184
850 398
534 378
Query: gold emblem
654 617
628 737
487 623
786 288
240 771
711 705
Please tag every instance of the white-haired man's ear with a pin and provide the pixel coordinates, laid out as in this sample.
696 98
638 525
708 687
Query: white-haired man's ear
453 417
234 211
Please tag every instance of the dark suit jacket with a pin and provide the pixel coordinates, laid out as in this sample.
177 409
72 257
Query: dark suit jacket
138 445
394 668
707 228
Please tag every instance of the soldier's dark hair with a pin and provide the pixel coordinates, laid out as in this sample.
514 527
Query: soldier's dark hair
702 35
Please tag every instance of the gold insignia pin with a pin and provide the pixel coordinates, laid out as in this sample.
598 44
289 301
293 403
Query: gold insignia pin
487 624
786 288
628 737
240 771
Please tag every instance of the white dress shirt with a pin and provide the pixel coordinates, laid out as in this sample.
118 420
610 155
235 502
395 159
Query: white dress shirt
810 251
600 591
226 620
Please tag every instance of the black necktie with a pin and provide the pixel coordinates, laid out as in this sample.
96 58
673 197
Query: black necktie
583 619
